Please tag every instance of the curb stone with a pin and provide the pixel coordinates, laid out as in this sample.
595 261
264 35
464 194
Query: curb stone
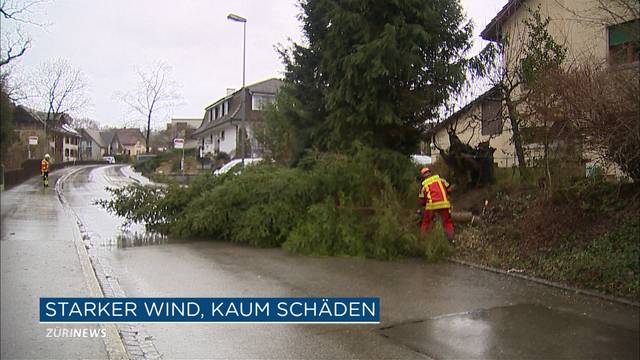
126 341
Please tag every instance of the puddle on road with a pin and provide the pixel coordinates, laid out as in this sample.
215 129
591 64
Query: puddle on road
517 332
137 239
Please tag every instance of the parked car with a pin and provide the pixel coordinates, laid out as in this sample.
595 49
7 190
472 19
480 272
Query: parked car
109 159
235 165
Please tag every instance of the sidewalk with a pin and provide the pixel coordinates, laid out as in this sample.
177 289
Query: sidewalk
39 259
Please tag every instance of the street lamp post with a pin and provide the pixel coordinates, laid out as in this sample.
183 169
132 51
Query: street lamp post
240 19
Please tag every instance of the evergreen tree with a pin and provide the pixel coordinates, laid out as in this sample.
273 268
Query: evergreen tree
373 71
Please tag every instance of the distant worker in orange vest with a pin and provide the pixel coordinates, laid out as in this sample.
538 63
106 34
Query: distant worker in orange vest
434 198
44 170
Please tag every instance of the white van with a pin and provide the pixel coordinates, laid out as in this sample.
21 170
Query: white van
109 159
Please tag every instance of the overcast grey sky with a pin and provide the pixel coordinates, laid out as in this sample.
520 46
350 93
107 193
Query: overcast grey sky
107 40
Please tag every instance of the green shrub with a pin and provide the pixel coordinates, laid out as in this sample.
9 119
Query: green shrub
328 229
221 157
331 204
138 204
258 207
591 194
122 158
436 245
149 166
392 233
610 263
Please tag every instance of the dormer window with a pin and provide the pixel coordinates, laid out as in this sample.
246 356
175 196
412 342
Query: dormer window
260 101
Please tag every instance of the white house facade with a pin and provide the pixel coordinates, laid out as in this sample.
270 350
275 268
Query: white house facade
222 125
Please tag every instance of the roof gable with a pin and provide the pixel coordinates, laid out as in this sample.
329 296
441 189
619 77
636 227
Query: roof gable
96 136
30 117
129 136
492 31
265 86
489 94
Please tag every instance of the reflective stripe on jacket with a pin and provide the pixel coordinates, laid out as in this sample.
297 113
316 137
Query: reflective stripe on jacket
434 189
44 166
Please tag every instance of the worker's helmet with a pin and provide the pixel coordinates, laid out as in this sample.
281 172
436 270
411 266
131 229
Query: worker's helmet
425 170
46 156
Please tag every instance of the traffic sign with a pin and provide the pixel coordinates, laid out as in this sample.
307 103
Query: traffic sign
178 143
33 140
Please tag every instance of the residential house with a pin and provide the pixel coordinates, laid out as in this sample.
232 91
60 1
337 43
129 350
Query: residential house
184 128
107 138
192 123
571 24
93 145
222 123
480 121
61 139
128 142
70 139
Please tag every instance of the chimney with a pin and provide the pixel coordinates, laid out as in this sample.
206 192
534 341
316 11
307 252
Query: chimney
230 91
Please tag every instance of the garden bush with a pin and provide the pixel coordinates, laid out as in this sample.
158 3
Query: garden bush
258 207
609 263
357 204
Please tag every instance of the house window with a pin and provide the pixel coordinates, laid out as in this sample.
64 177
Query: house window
222 135
226 107
260 101
491 119
624 42
215 112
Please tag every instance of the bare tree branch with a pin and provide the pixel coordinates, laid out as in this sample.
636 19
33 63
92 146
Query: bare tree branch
605 12
14 42
19 11
57 88
155 92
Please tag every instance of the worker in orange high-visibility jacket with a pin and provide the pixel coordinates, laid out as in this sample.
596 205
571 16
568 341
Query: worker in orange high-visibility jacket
434 199
44 170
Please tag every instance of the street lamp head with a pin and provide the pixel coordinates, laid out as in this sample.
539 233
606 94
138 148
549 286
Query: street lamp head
234 17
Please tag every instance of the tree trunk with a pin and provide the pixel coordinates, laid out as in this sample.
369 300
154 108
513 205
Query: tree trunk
514 118
547 165
148 130
47 148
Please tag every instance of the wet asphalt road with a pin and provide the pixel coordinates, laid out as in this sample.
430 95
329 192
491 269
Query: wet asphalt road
39 259
442 311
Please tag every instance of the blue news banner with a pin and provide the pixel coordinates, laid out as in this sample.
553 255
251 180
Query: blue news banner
214 310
